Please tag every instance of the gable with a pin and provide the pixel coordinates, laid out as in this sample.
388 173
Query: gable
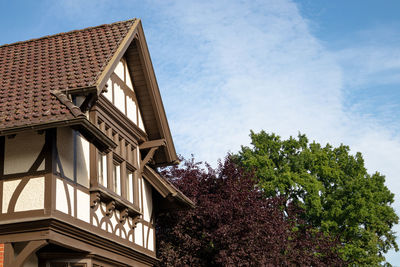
134 51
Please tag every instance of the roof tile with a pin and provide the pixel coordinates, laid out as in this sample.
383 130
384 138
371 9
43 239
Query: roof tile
31 70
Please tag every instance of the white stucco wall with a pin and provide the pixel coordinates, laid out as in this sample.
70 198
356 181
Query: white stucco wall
139 234
151 242
131 109
109 93
8 190
83 204
119 70
119 98
61 197
32 196
22 151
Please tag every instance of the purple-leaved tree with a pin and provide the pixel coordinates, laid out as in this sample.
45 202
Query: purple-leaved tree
233 224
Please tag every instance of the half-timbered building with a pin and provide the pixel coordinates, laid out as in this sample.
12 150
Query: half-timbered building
82 131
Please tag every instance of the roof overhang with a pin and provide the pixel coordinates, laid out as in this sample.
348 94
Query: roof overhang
174 198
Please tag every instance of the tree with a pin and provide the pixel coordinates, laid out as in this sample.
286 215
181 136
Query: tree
334 188
233 224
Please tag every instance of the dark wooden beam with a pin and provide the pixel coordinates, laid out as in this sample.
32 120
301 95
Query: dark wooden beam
152 143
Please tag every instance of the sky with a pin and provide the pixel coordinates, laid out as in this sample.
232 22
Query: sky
328 69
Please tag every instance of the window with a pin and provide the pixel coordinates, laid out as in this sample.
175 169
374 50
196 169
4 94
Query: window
73 156
102 169
129 185
116 177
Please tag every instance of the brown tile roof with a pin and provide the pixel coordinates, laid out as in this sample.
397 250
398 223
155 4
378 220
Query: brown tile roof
31 70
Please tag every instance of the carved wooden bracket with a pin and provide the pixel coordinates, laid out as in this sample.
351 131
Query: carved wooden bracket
123 216
110 208
19 260
153 145
135 221
94 199
146 159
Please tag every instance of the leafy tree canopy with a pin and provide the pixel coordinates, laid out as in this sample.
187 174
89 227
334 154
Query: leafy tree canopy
334 188
233 224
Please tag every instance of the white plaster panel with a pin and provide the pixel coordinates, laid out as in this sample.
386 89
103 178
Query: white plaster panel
113 223
42 166
151 244
8 190
109 93
131 109
71 196
119 70
65 147
83 204
140 123
61 197
82 160
139 234
127 229
128 79
22 151
99 216
32 196
147 201
122 234
119 98
114 220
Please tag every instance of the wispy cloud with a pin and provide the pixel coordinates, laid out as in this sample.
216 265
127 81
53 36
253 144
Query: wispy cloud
225 67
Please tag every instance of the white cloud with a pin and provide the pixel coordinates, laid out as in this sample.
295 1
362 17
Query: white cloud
225 67
259 67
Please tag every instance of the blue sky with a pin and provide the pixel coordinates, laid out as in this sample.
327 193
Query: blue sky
330 69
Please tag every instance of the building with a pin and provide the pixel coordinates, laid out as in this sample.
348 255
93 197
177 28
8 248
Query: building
82 129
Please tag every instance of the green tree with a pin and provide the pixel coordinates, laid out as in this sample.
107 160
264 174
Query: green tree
333 187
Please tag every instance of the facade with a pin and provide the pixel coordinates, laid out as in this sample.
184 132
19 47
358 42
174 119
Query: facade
82 130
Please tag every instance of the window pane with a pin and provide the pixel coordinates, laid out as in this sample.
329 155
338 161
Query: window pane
129 186
117 179
102 169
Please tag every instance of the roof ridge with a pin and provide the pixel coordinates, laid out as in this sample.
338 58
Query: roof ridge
68 32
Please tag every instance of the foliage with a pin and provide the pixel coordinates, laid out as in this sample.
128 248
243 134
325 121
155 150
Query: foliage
334 188
233 224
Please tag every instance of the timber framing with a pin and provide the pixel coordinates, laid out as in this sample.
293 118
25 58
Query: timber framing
56 231
78 170
135 45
